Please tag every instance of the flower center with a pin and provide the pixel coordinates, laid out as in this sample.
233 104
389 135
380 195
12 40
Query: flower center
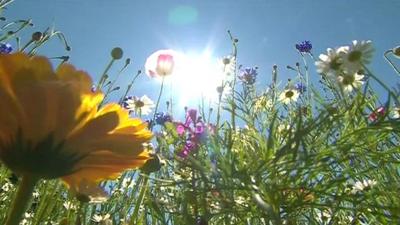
289 94
354 56
348 79
335 64
139 104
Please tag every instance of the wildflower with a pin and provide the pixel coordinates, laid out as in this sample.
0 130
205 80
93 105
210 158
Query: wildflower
35 194
101 218
5 48
377 113
358 54
262 103
6 187
69 205
51 126
248 75
301 87
359 186
161 118
289 95
161 63
141 106
128 183
331 63
228 64
187 149
396 113
349 82
304 47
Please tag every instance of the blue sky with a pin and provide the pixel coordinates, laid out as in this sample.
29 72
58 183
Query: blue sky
267 30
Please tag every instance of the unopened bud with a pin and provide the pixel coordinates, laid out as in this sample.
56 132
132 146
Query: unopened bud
37 36
396 51
226 61
117 53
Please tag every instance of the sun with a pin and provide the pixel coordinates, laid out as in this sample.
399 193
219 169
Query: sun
196 78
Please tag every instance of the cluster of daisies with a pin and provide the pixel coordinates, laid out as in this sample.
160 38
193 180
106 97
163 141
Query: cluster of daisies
345 64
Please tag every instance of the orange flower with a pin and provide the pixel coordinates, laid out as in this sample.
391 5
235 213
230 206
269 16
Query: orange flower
51 127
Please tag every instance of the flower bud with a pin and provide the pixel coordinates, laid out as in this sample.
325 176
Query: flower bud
117 53
37 36
396 51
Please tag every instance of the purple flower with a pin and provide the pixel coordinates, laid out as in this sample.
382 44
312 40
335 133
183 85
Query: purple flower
161 118
93 88
191 117
5 48
189 147
301 87
304 47
248 75
180 128
127 102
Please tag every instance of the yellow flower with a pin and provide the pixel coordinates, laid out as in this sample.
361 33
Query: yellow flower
51 127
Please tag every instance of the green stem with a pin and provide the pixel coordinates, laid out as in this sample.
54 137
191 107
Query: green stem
21 200
158 100
390 62
139 200
382 84
103 75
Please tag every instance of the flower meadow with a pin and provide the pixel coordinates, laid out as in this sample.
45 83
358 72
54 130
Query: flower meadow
293 152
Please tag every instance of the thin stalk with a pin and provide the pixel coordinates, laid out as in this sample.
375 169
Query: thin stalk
382 84
139 201
103 76
390 61
129 87
158 100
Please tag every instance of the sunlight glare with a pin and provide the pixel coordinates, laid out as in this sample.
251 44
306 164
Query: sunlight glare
197 77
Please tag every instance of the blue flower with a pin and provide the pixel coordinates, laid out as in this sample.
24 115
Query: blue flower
127 103
304 47
301 87
161 118
248 75
5 48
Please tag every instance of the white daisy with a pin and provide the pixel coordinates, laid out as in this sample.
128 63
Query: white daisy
6 187
69 205
350 82
289 95
360 53
331 63
361 185
101 218
228 65
396 113
143 105
262 103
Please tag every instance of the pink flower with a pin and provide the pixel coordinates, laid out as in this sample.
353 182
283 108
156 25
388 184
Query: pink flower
377 113
180 128
161 63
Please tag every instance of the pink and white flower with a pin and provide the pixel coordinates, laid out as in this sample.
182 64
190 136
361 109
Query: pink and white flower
161 63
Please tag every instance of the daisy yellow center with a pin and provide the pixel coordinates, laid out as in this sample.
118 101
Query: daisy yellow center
335 64
354 56
139 104
348 80
289 94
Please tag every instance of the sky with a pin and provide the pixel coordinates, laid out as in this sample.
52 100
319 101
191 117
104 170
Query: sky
267 31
